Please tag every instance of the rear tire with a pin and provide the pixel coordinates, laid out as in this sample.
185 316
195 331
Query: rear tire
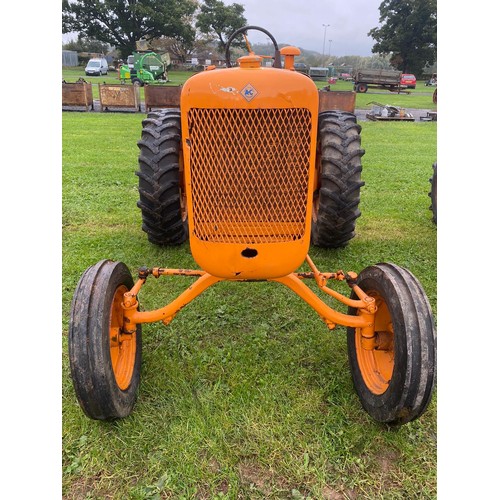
433 193
362 88
164 217
394 381
336 202
105 366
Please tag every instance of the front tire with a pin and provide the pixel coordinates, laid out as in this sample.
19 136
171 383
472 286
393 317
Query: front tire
162 201
105 362
336 202
395 380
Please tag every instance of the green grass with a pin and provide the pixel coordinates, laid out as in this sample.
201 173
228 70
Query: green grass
419 98
246 394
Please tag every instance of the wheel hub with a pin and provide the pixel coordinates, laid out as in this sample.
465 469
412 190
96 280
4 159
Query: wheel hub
377 364
122 346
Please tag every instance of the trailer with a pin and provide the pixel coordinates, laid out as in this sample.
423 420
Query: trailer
378 79
318 73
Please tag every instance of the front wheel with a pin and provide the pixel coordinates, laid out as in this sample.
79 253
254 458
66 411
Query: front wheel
395 379
105 359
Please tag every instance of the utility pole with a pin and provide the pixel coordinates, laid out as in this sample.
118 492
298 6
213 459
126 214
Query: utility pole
324 39
329 48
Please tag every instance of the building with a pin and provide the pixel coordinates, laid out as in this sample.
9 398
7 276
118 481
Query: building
69 58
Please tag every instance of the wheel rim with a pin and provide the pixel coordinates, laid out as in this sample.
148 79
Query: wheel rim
377 365
122 347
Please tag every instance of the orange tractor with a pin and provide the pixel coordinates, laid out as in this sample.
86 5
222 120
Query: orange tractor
252 171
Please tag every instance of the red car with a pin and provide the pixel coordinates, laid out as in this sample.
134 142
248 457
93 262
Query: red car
408 81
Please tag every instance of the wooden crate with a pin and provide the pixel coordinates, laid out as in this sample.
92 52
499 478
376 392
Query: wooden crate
162 96
77 95
119 96
340 100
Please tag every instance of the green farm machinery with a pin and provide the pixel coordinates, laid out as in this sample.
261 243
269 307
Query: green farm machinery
147 67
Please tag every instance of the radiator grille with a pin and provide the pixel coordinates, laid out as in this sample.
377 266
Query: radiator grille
249 173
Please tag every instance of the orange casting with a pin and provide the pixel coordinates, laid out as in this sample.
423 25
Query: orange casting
364 321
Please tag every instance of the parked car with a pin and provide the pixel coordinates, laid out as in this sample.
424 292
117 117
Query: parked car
97 67
408 81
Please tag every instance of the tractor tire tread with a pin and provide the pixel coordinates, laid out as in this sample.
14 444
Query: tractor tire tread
159 178
340 180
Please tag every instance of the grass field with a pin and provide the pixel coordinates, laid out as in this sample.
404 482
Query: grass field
246 394
420 98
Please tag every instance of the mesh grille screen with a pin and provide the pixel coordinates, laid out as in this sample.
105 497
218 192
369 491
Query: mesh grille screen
249 173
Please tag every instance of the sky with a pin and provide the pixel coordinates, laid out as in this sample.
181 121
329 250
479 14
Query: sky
311 25
302 23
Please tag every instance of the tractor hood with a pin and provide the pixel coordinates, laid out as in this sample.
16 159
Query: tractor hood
250 87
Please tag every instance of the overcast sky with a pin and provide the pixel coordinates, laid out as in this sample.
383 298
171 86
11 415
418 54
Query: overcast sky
301 23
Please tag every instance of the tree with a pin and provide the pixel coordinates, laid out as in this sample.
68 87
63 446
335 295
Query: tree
408 33
219 21
181 51
82 44
122 22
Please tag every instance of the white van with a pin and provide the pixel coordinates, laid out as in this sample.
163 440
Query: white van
97 67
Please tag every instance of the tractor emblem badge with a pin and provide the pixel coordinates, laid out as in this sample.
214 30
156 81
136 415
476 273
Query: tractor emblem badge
248 92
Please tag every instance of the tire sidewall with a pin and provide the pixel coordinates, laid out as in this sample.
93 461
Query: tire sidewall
384 407
121 400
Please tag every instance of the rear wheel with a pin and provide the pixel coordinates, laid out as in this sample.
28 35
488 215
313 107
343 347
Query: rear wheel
361 87
162 199
433 193
336 201
394 380
105 361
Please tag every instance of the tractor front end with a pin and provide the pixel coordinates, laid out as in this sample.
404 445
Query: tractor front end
249 147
